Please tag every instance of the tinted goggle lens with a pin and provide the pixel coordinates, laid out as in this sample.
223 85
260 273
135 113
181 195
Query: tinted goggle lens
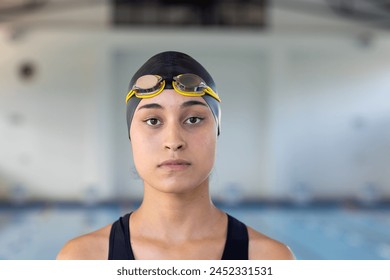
148 86
147 82
189 83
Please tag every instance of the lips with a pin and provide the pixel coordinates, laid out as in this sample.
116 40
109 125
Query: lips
177 164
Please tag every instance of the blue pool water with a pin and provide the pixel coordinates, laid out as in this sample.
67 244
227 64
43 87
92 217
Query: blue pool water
312 233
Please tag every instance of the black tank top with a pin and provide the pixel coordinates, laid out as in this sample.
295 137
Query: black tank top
236 245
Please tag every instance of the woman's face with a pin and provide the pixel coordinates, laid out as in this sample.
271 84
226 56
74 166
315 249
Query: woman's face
173 139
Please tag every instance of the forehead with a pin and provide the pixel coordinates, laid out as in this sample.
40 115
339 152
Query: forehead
171 99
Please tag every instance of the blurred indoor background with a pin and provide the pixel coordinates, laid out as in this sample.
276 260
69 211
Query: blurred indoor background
304 153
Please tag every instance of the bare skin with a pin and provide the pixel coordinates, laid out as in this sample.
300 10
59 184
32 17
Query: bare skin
174 141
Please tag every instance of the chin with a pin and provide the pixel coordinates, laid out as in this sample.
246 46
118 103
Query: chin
182 186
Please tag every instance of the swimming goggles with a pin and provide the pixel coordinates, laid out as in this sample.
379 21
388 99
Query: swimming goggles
148 86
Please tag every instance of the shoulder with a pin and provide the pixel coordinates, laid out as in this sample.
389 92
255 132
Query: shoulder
91 246
262 247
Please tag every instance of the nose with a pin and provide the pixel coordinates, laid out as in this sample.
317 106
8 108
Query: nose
174 139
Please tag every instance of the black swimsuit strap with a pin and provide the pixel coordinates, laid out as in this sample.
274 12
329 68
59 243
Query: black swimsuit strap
119 244
236 246
237 241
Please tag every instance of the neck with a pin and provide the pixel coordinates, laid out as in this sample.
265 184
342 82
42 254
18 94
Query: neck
184 214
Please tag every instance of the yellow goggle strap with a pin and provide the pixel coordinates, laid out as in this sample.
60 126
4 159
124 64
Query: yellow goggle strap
208 90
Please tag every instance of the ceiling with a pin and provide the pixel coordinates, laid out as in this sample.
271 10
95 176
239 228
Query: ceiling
371 12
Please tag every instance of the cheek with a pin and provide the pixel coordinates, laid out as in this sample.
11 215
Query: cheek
137 152
141 150
206 147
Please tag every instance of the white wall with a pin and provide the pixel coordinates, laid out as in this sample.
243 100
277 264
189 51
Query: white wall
54 151
297 110
331 119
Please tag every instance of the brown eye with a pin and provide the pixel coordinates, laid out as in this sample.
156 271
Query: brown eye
193 120
153 122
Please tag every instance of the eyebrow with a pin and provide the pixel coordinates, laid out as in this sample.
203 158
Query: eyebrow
192 103
150 106
184 105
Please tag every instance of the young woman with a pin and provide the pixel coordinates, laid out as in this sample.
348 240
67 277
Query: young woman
173 117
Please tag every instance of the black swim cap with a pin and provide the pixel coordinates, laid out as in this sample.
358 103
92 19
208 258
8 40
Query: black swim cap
168 65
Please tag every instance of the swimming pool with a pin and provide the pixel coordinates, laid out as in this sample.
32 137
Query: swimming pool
331 233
